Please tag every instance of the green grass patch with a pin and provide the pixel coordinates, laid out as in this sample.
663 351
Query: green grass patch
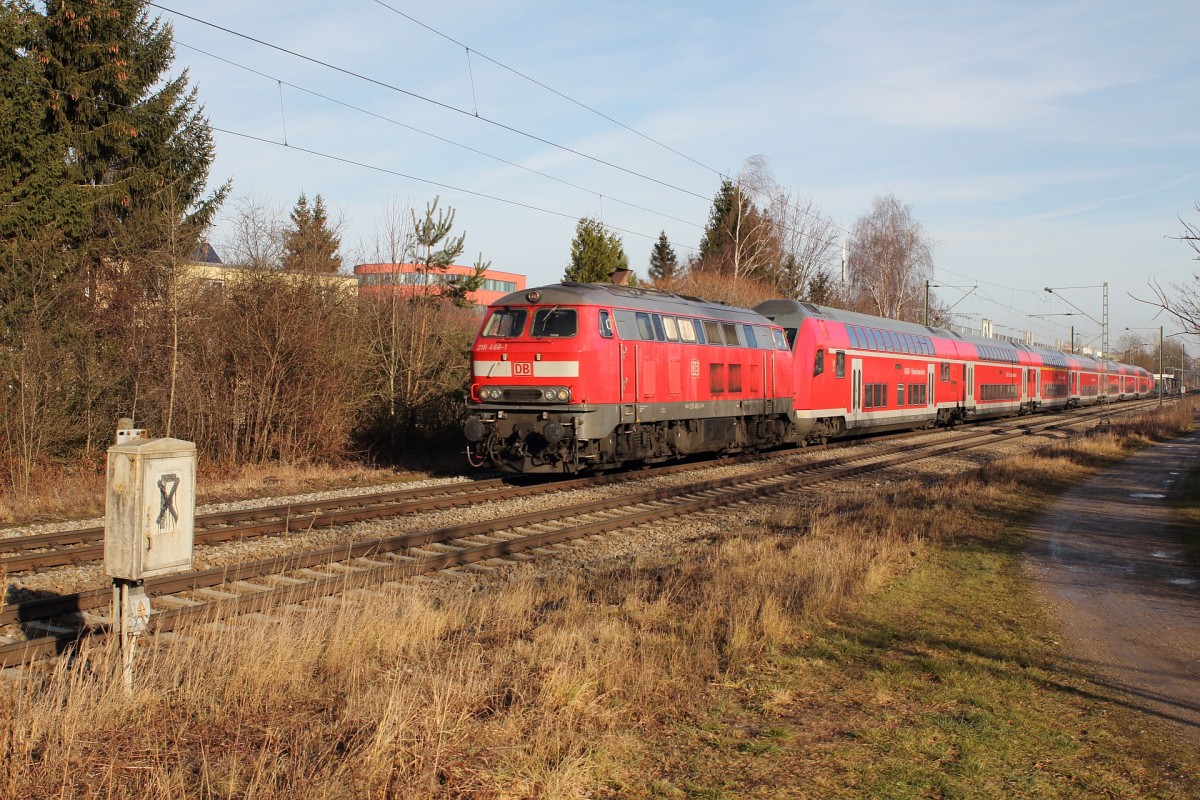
947 682
1189 509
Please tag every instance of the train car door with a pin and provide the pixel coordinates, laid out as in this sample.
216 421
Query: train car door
629 359
856 391
930 400
970 387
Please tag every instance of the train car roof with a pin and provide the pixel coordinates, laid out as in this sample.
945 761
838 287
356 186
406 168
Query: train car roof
631 297
777 309
782 308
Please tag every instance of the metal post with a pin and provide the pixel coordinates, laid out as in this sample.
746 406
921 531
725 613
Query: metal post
1104 321
1160 366
926 304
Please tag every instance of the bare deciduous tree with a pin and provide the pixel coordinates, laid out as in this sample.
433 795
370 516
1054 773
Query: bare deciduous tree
1182 300
257 236
890 260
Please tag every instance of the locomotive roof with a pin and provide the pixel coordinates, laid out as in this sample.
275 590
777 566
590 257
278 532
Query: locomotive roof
632 297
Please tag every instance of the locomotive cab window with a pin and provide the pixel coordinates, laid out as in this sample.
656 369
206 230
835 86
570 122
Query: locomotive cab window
606 329
819 363
505 323
558 323
780 342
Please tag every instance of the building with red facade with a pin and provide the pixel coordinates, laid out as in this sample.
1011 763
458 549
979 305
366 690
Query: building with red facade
408 280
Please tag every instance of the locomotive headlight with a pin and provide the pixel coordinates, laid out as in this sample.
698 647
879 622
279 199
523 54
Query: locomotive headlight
549 394
563 395
493 394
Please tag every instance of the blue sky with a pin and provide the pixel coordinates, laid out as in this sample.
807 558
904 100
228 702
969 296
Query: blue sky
1039 143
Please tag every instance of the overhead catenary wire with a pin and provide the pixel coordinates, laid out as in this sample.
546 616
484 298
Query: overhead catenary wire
430 100
550 89
430 135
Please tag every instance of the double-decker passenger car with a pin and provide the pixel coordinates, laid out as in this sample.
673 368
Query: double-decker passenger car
856 372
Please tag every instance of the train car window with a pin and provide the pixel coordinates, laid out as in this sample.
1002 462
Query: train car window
899 394
505 323
765 340
645 331
735 377
712 332
699 328
818 363
782 342
731 334
671 328
687 330
850 332
883 395
894 339
558 323
606 329
870 339
749 335
716 378
840 364
945 372
659 332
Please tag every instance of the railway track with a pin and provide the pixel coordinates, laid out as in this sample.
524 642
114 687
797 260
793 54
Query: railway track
55 623
85 544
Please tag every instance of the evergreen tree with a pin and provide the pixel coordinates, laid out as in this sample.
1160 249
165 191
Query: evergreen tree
663 261
728 208
310 245
136 146
595 253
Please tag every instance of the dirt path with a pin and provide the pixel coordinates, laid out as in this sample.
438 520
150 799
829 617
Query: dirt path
1109 558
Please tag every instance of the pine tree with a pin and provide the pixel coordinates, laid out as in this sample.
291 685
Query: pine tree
137 147
728 208
595 253
310 245
663 261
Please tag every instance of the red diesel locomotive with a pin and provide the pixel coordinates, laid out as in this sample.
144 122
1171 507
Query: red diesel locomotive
573 377
578 376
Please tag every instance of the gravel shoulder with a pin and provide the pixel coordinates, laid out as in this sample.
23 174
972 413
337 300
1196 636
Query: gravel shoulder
1109 559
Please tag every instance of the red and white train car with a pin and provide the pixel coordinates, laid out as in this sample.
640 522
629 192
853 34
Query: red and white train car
857 372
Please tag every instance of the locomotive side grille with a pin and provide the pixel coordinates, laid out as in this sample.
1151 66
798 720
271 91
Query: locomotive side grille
527 393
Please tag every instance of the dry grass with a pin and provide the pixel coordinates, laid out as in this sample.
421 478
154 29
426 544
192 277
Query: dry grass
601 685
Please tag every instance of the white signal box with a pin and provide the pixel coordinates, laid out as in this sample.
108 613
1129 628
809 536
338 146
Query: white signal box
150 508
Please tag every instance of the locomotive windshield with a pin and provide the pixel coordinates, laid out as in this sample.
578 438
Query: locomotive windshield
505 323
556 322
